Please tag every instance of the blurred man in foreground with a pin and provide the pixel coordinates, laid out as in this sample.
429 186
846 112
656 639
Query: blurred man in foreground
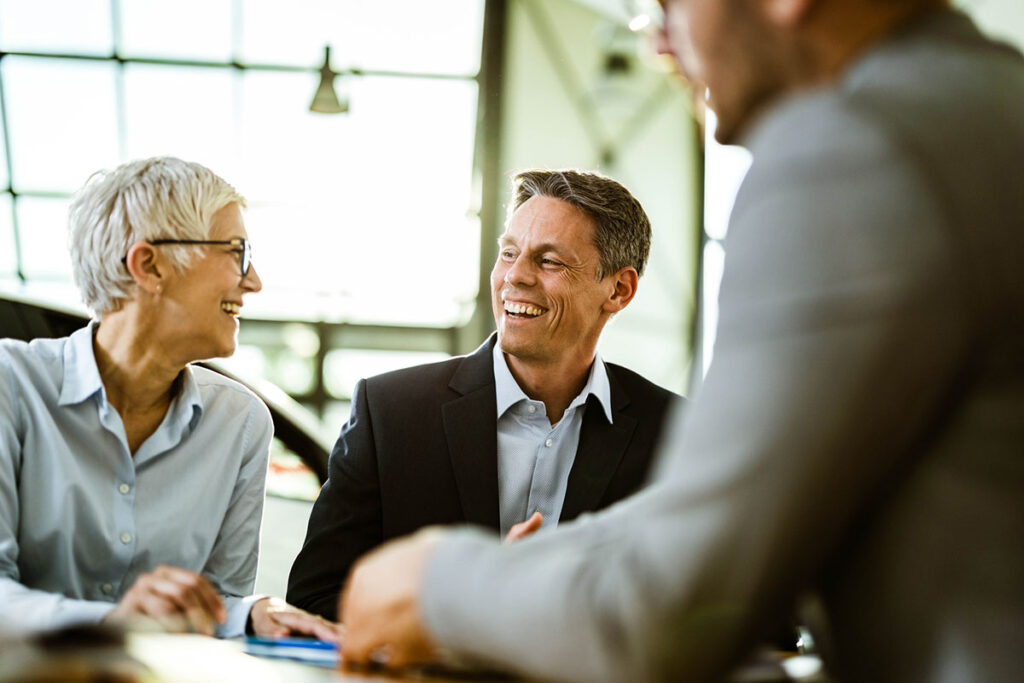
860 429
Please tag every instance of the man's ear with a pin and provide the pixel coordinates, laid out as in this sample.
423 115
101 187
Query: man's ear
144 263
787 13
624 282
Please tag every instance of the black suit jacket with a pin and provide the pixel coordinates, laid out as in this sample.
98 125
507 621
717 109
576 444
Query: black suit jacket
420 448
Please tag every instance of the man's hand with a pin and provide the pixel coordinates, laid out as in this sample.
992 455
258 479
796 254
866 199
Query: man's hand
275 618
176 599
524 529
380 605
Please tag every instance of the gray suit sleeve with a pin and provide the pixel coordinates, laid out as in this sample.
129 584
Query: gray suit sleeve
840 327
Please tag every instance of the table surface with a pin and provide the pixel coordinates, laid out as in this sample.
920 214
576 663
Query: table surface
200 659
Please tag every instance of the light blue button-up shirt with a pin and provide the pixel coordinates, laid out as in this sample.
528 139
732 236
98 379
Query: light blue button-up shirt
534 457
81 519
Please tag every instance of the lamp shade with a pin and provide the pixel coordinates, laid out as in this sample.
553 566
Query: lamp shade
326 101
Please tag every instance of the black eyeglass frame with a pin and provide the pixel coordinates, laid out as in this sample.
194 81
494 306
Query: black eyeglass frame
245 264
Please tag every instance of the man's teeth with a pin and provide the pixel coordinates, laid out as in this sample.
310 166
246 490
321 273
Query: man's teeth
229 307
522 309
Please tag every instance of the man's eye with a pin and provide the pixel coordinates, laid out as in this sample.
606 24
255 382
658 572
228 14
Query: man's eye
508 255
550 262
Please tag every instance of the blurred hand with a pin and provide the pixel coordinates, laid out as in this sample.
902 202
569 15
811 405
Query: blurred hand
178 600
275 618
380 606
524 529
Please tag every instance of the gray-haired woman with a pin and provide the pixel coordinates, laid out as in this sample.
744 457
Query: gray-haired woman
131 482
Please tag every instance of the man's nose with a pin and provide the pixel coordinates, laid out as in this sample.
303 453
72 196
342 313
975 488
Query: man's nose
520 271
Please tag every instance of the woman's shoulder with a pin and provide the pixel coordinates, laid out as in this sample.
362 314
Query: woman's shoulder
215 389
31 362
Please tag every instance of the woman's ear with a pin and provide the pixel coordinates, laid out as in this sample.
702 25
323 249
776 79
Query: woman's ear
146 267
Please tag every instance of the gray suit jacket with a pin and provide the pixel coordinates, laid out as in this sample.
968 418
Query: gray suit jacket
861 430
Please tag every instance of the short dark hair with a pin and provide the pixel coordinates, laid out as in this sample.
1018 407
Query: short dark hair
622 231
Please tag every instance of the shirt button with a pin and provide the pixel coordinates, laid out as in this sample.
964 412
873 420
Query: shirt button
532 409
124 488
548 443
107 588
126 538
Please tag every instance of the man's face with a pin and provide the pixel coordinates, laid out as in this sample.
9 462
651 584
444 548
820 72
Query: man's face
724 46
549 306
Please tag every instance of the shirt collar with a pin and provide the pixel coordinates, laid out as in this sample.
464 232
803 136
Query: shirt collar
507 391
82 377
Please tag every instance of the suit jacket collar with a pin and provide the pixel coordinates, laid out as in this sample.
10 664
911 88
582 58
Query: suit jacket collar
470 427
472 434
601 448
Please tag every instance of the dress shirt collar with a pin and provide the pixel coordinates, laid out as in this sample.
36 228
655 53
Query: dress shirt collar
507 391
82 377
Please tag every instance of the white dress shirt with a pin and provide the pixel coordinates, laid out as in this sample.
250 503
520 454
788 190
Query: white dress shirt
534 456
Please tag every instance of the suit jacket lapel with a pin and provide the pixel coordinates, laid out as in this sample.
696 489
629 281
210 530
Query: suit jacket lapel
470 426
600 450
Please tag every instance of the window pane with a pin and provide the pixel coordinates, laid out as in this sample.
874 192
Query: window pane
362 202
42 228
4 179
344 367
442 36
186 112
8 255
183 29
55 148
292 33
30 26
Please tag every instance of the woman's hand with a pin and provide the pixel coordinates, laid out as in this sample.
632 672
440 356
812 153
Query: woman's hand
178 600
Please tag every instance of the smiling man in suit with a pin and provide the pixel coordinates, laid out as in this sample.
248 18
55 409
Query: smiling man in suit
530 429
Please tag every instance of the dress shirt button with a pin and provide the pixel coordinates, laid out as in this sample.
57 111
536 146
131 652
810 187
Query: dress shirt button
126 538
532 409
124 488
548 443
107 588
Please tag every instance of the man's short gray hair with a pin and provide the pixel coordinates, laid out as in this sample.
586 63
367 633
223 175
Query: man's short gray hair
622 231
149 199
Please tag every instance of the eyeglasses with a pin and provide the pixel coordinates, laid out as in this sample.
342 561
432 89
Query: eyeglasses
246 260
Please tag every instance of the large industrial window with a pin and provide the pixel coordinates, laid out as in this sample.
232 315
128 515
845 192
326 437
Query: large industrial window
362 217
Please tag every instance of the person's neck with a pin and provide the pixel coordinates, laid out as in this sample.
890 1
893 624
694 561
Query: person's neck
136 375
840 33
556 384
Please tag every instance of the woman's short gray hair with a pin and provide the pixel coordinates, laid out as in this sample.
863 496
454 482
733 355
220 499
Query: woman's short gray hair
622 230
149 199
